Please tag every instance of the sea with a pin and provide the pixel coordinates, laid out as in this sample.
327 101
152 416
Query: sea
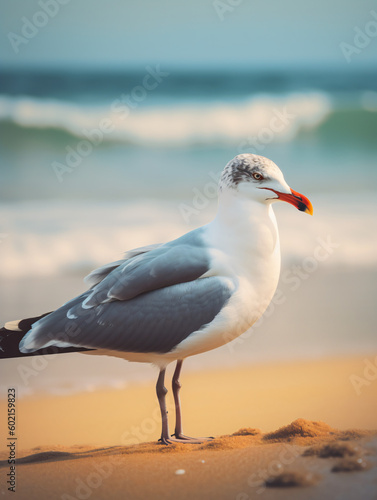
94 163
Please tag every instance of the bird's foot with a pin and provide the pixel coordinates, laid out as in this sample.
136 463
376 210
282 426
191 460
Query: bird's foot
180 438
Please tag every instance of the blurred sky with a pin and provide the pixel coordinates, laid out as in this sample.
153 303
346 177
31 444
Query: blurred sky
188 33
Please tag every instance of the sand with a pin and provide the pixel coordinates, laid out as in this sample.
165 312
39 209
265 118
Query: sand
240 467
281 431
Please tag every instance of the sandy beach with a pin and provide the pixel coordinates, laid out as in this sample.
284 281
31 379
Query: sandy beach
103 444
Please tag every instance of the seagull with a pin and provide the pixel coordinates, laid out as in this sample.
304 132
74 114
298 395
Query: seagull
165 302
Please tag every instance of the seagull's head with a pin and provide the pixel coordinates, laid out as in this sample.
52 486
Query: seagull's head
258 178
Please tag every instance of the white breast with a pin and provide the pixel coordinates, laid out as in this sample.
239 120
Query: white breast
249 257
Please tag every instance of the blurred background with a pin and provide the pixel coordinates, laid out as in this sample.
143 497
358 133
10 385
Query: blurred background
116 119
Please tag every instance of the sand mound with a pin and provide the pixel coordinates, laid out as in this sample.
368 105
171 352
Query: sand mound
337 449
292 479
247 431
235 441
300 428
351 464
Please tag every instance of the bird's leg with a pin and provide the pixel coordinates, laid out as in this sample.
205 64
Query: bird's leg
176 385
161 395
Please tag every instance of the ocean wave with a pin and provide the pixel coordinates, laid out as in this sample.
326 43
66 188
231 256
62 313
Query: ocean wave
52 239
262 118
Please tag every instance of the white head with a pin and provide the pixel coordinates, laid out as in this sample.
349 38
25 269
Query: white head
260 179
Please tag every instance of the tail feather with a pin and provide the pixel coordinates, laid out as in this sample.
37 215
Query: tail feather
13 325
13 332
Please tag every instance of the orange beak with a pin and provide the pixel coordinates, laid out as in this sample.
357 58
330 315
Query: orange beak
296 199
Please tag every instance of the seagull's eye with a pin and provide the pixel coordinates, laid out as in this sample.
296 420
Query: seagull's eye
257 176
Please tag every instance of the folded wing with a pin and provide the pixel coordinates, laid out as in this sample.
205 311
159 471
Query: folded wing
147 303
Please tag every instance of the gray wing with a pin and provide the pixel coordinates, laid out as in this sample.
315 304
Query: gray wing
148 303
99 274
156 321
178 261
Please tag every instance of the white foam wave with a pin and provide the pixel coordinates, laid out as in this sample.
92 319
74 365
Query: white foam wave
266 118
47 239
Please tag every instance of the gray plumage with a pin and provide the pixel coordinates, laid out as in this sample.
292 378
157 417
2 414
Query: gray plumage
178 261
148 302
99 274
